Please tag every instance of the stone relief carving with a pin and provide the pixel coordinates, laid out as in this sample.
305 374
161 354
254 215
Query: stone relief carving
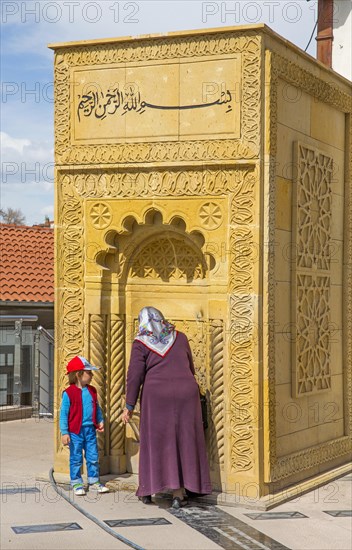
311 84
77 186
239 184
242 323
211 215
162 183
242 416
98 357
216 386
269 267
312 342
311 274
196 332
117 383
100 215
248 43
168 259
280 468
313 218
70 328
150 248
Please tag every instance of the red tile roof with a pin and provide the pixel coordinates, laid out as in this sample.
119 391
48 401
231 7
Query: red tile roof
26 263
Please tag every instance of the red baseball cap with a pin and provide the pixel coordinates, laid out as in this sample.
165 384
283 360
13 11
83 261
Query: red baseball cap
79 363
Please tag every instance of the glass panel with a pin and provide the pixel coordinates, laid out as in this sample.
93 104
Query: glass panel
6 374
26 369
3 389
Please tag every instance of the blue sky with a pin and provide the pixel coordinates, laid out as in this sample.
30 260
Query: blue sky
27 131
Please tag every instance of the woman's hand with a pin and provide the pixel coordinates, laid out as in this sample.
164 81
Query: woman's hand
126 416
100 427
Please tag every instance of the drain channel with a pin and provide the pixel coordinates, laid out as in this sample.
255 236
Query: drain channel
45 528
225 530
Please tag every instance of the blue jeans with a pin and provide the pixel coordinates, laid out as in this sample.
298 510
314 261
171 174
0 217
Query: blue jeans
85 441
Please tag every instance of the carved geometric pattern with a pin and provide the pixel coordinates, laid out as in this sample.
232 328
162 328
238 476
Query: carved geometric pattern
241 383
117 383
196 332
314 196
269 210
69 331
211 215
100 215
243 200
279 468
168 259
217 421
311 273
98 357
313 334
243 257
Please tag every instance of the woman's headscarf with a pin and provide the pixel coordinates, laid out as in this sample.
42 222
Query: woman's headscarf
155 331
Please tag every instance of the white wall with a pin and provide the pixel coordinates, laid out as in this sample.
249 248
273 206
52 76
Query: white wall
342 44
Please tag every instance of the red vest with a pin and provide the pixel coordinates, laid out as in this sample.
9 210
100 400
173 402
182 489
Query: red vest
76 407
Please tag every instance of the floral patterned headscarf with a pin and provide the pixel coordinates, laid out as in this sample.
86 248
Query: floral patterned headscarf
154 331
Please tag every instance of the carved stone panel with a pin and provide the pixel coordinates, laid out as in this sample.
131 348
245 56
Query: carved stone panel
282 468
116 384
159 123
311 273
168 259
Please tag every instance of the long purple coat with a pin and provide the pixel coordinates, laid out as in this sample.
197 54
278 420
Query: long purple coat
172 445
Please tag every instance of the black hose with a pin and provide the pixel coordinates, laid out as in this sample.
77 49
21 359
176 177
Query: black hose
89 516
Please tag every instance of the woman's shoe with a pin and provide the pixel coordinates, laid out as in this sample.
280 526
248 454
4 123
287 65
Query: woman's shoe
177 503
146 499
191 494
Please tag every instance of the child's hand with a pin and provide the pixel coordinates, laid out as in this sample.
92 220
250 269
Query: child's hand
100 427
65 439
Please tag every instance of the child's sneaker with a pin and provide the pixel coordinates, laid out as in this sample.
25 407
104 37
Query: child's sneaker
98 487
79 490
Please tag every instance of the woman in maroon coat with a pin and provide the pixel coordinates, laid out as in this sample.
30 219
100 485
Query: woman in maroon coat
172 445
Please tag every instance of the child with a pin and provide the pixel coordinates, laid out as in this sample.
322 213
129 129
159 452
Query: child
80 417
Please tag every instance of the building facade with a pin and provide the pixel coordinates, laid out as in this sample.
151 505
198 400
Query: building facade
208 174
26 303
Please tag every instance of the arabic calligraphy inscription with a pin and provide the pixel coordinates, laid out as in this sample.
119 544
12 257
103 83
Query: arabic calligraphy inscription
175 100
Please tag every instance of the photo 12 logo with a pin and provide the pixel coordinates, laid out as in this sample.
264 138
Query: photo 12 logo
253 12
70 12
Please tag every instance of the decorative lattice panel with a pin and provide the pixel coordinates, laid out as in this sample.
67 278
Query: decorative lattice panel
168 259
311 271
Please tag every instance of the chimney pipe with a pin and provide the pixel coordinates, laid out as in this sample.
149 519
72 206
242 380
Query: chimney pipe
325 34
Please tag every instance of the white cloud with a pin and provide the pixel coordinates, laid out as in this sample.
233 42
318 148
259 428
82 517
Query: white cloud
26 153
57 21
48 211
27 179
14 144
